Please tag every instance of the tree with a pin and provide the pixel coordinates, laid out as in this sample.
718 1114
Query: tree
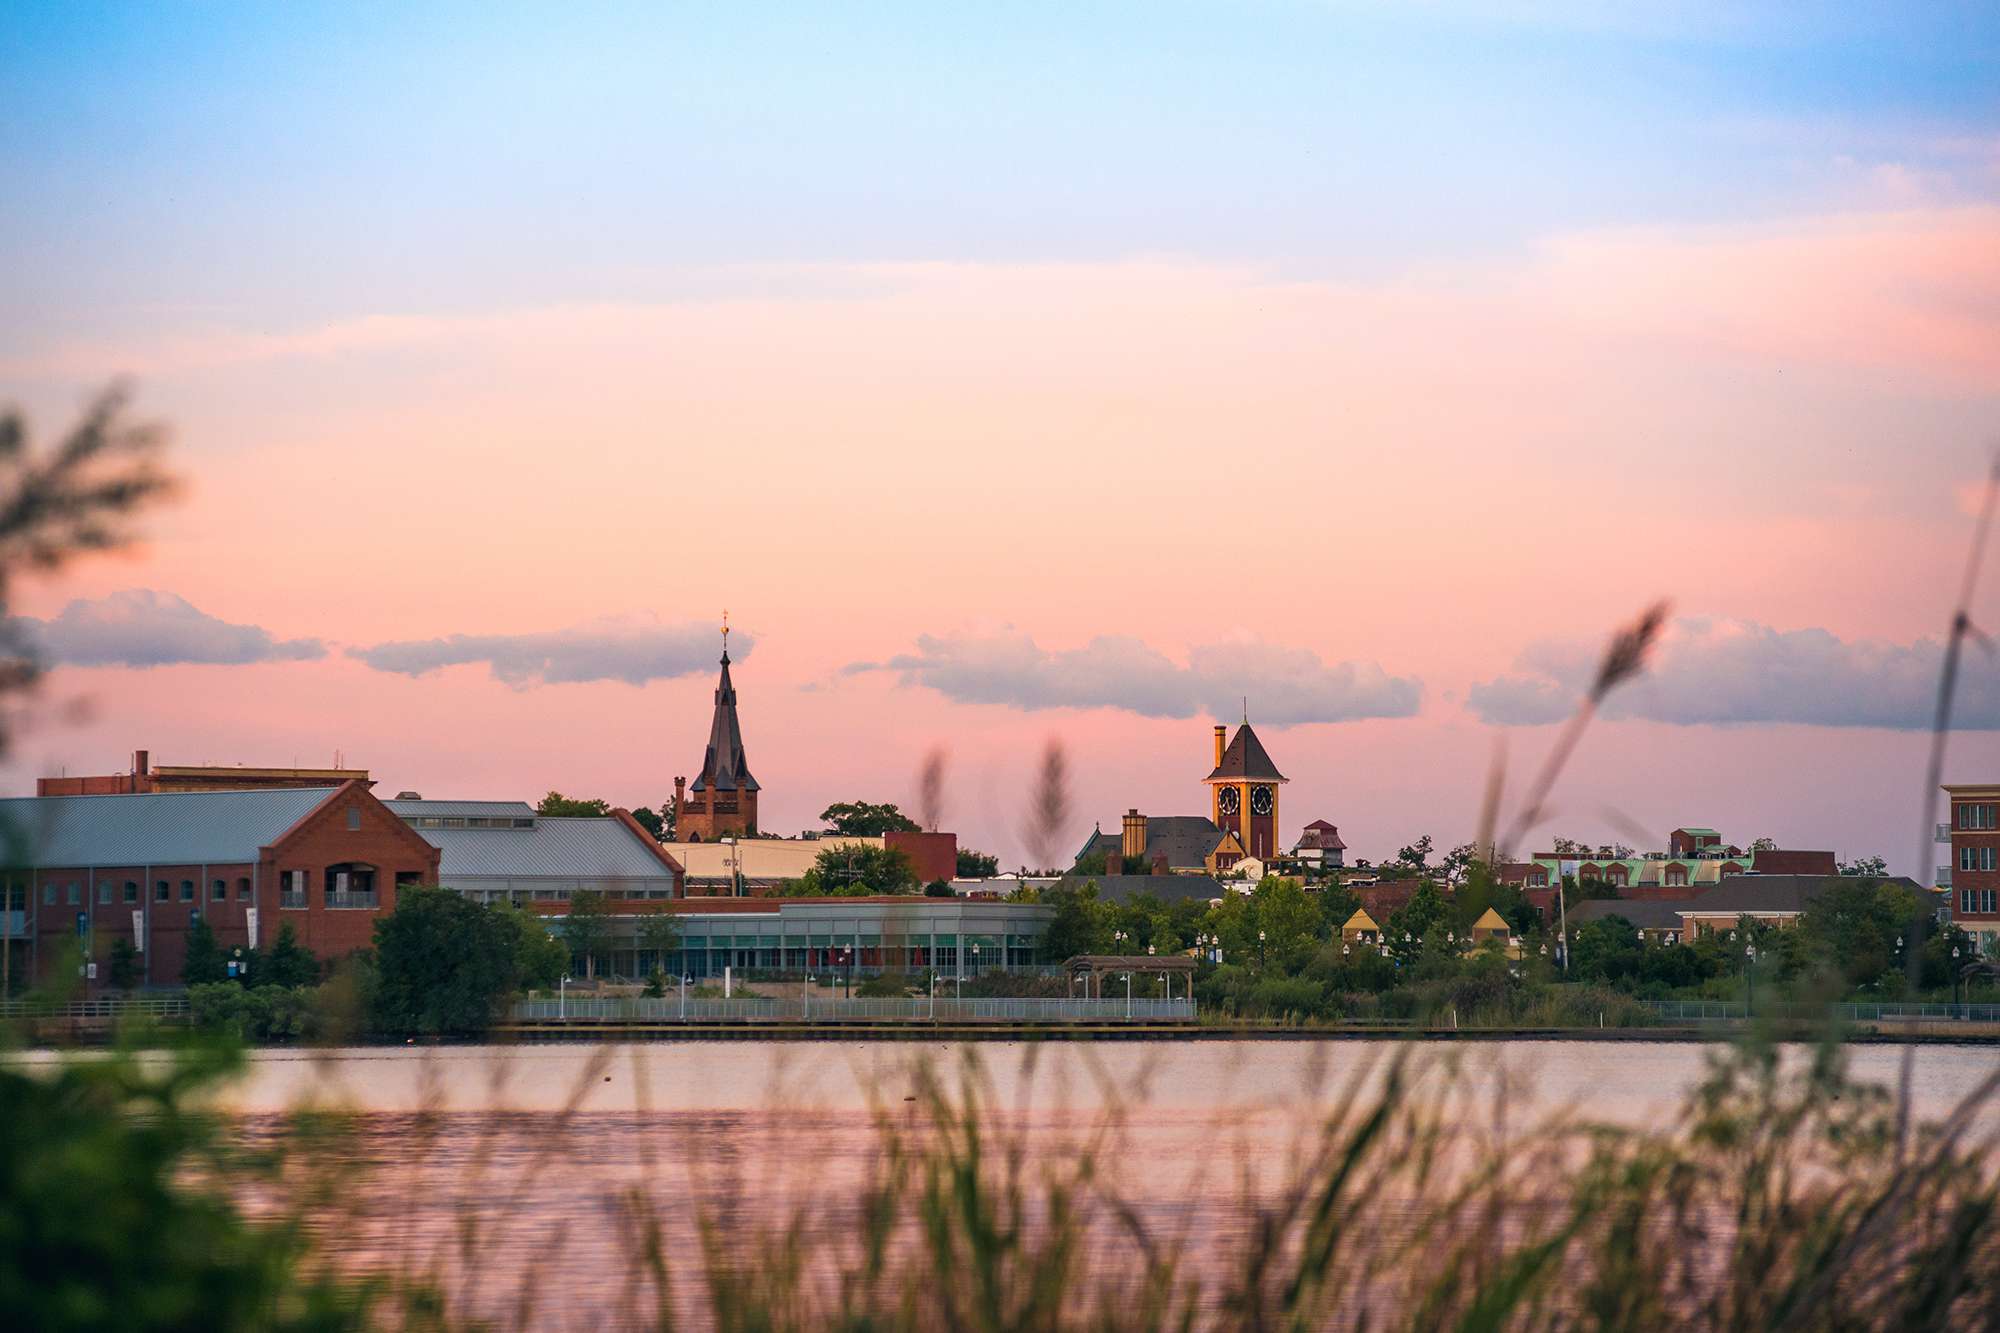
558 806
1460 862
289 963
204 962
125 964
444 964
1866 867
1080 924
1416 857
863 819
1764 845
1425 913
939 888
540 959
586 928
660 936
858 869
976 865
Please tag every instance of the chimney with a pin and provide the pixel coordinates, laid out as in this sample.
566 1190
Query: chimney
1135 834
1221 742
680 795
142 763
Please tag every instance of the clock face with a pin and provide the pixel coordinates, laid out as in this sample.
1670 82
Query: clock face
1227 800
1260 800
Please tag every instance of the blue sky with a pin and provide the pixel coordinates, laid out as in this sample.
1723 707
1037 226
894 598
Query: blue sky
279 164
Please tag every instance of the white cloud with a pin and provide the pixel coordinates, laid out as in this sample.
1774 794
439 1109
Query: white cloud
633 649
1285 686
1725 672
140 627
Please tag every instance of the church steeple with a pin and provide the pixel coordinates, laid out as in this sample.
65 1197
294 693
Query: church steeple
723 797
724 768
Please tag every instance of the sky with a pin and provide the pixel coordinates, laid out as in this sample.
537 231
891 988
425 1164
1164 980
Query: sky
1081 372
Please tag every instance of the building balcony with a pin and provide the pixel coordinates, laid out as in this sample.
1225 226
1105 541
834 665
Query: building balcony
292 902
353 899
1943 833
1944 877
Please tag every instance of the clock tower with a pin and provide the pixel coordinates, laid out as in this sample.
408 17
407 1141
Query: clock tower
1243 791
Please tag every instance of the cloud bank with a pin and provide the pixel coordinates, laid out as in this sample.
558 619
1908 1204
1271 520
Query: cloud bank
1728 672
140 627
1284 686
632 649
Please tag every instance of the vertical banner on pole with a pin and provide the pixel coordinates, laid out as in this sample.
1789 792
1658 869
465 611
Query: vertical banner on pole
250 921
139 929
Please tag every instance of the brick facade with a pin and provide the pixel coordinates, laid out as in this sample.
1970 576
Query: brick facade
317 846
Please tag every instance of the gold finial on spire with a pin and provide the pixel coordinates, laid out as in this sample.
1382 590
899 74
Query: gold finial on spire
725 631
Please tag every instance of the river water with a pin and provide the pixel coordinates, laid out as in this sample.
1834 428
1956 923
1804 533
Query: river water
514 1169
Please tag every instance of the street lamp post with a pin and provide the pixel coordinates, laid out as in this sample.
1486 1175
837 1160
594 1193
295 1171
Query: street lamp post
562 1000
809 997
685 978
1955 979
1128 995
1750 980
847 957
1260 950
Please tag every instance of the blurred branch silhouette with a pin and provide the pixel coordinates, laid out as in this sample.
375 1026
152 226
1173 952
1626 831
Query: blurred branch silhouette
74 498
1049 811
930 789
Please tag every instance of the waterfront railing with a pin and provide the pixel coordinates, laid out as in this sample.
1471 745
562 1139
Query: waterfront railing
153 1006
1725 1011
817 1009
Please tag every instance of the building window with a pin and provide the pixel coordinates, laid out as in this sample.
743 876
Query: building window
219 891
350 885
48 895
104 892
74 893
1979 816
1965 900
187 890
243 888
163 891
353 819
131 890
1676 876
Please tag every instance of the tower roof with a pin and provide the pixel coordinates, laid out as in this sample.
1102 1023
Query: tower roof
1245 758
724 767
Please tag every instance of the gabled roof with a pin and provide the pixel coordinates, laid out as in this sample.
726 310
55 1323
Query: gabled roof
1245 758
1360 921
1491 920
724 767
154 828
1698 832
589 848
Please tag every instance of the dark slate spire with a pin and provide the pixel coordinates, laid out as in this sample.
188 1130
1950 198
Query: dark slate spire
724 767
1246 758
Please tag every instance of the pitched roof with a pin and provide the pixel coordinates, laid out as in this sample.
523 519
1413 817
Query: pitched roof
1644 913
1185 840
581 848
1360 921
724 767
461 809
155 828
1491 920
1740 894
1167 888
1245 758
1322 835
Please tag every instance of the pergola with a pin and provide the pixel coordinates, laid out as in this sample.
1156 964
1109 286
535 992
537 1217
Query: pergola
1093 967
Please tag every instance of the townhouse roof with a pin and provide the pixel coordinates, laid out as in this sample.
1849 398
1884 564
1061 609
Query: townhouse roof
1185 840
1643 913
153 828
421 809
1167 888
1778 894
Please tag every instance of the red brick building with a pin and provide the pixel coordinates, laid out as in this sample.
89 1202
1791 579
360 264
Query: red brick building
1972 878
146 777
85 871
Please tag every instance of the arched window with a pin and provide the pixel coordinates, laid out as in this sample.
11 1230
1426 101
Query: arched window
1617 874
1675 875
